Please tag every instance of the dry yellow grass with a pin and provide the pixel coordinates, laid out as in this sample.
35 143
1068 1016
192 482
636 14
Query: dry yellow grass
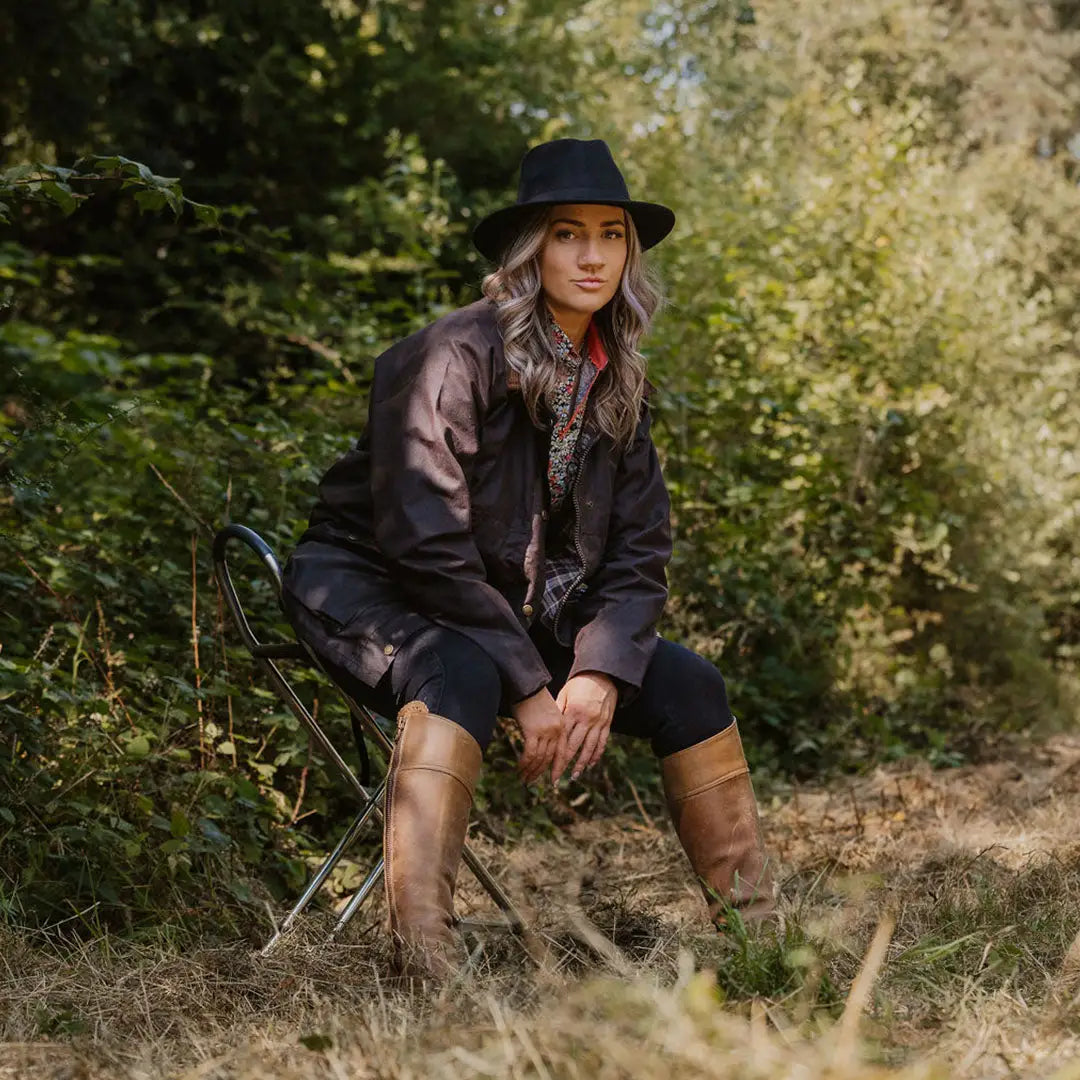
971 878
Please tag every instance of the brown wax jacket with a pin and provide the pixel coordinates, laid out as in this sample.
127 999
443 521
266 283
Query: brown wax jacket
439 513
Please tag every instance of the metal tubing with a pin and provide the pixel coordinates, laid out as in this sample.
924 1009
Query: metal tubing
221 569
265 654
479 871
299 710
494 890
358 899
323 873
361 712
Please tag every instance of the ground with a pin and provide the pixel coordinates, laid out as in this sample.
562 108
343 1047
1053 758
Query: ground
969 877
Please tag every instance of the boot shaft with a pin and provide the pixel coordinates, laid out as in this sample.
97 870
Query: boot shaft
712 806
429 791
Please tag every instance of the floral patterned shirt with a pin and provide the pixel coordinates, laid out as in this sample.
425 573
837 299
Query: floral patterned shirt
578 372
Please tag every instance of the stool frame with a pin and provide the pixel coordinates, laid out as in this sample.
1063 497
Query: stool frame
365 725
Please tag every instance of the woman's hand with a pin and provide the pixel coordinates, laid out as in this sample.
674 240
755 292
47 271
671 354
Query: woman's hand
588 704
541 722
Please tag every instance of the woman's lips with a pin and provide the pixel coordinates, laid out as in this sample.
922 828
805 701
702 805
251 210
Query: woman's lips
589 284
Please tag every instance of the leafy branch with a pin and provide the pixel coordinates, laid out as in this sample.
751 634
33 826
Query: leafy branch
39 182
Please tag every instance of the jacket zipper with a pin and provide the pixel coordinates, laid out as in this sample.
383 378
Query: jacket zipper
577 541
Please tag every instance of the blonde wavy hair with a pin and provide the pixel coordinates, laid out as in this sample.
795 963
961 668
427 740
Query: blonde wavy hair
516 289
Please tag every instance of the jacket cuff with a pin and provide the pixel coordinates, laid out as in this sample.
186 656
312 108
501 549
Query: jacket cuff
523 677
623 659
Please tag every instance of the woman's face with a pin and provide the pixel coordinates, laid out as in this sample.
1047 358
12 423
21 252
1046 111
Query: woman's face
583 256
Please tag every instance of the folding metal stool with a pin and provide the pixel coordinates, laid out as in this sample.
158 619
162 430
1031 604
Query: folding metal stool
364 724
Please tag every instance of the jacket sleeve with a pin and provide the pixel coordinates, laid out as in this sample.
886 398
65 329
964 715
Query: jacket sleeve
626 595
424 425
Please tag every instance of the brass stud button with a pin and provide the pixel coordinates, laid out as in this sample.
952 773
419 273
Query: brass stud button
388 649
527 610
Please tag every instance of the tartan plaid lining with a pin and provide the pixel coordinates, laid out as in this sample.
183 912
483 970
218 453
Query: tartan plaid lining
560 573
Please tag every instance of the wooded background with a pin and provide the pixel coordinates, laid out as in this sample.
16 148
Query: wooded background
868 367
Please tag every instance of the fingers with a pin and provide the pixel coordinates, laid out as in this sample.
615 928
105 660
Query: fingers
587 749
579 728
562 755
541 725
587 743
538 753
527 761
561 758
573 736
545 752
532 753
598 752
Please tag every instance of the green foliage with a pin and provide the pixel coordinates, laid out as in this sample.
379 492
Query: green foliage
160 373
128 780
768 962
864 348
43 183
288 116
866 412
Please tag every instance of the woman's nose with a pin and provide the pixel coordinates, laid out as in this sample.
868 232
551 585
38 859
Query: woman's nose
591 254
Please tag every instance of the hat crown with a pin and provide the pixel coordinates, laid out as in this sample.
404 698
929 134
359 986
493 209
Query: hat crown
569 166
569 171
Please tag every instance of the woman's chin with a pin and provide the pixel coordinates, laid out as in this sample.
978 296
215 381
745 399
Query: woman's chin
584 303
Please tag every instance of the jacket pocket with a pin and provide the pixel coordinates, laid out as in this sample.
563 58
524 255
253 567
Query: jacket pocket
502 545
331 582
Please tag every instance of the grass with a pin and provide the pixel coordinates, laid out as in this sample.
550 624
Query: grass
931 930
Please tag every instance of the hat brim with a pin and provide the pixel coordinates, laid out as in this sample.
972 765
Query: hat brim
494 233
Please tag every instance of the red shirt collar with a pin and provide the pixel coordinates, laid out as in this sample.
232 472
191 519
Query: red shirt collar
598 356
597 353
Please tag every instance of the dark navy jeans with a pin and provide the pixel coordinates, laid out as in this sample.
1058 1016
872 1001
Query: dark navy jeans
682 700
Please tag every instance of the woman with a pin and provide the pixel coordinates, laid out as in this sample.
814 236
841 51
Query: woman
496 542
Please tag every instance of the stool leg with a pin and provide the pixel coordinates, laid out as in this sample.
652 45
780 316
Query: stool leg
358 898
494 890
323 872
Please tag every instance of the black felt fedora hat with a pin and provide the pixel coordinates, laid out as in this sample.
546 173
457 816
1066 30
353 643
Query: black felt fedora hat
569 171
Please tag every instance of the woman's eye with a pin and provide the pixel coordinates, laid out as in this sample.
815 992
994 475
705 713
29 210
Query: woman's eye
569 234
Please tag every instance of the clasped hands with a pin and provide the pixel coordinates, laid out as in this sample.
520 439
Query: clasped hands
577 722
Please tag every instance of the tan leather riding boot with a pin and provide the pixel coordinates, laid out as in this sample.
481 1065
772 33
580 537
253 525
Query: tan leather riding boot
429 792
712 804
